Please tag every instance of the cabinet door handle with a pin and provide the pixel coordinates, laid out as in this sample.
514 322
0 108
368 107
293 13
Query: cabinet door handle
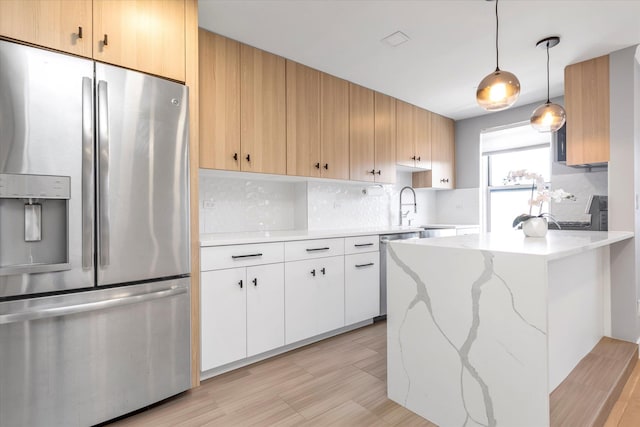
317 165
79 32
326 166
318 249
255 282
373 172
313 272
362 245
413 158
105 41
235 156
248 158
245 256
240 283
379 172
369 264
418 159
446 180
323 271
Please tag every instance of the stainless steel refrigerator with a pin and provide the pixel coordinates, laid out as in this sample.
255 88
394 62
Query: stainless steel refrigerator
94 239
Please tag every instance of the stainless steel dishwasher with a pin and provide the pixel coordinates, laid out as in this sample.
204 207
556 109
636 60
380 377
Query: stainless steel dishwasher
384 241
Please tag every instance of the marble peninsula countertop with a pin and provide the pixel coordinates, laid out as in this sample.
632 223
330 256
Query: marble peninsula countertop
556 244
221 239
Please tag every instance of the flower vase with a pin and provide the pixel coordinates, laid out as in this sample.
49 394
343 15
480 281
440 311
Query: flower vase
535 227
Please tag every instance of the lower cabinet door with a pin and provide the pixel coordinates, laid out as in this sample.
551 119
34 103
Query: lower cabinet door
265 308
300 301
361 287
223 317
330 294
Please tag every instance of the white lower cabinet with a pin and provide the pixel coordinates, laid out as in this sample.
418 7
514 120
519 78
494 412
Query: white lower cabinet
265 308
314 297
362 287
223 317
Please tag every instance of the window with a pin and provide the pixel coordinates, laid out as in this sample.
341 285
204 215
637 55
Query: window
505 150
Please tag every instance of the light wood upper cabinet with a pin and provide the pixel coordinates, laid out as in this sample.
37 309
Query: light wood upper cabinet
361 134
64 25
442 173
145 35
413 130
385 138
586 98
220 102
334 126
262 111
303 120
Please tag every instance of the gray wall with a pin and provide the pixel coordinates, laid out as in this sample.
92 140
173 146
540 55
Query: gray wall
468 139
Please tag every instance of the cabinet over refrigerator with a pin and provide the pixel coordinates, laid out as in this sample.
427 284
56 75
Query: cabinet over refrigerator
94 239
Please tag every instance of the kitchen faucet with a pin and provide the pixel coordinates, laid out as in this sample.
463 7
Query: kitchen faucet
415 206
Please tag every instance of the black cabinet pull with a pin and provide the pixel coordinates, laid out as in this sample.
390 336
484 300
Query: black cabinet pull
364 265
248 157
418 159
446 180
313 272
317 165
255 282
318 249
79 32
326 166
362 245
105 41
240 283
413 158
235 156
245 256
323 271
379 172
373 172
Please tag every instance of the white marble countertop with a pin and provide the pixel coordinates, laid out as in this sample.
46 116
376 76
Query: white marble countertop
221 239
556 244
456 226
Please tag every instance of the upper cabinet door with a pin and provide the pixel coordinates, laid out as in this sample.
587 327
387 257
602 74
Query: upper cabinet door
361 133
442 152
262 111
586 98
385 138
334 126
303 120
145 35
64 25
406 134
219 62
423 138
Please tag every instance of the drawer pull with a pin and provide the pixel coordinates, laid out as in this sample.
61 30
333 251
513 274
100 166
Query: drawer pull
323 271
79 32
364 265
362 245
318 249
313 272
245 256
240 283
255 282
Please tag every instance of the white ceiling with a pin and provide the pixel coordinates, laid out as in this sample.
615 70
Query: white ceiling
451 46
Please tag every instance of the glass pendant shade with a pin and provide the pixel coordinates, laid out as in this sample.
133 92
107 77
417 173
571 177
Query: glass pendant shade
548 117
498 91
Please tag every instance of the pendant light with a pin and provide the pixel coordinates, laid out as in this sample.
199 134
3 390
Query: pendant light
548 117
500 89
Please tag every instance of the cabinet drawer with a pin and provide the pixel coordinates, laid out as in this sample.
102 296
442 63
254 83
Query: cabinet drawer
354 245
309 249
220 257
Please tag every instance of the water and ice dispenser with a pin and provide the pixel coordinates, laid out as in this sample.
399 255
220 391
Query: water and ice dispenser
34 221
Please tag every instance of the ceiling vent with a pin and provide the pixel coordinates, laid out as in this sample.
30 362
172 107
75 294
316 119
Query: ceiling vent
396 39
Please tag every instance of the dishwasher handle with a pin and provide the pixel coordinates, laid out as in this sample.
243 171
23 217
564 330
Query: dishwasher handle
65 310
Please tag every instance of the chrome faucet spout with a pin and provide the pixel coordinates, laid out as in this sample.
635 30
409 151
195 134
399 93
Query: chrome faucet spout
415 205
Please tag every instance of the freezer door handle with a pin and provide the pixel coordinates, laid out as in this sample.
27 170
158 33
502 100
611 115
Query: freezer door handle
87 173
27 315
103 165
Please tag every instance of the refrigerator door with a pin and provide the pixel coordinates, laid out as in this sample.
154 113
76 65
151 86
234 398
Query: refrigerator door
83 358
46 171
143 177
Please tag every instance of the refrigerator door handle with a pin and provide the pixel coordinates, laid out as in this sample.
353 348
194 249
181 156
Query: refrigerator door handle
25 316
103 187
87 174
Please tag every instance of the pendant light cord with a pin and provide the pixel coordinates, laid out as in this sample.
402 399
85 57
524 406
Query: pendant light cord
548 100
497 67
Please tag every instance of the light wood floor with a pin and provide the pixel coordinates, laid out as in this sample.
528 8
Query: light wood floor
337 382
